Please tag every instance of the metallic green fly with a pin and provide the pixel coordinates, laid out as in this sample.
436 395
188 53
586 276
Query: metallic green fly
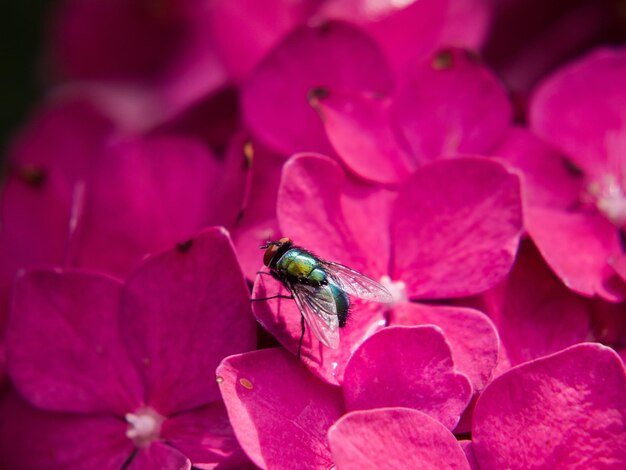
320 288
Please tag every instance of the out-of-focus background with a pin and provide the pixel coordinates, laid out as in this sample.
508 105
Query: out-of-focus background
23 30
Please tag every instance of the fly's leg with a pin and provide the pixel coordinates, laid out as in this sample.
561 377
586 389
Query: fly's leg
279 296
301 335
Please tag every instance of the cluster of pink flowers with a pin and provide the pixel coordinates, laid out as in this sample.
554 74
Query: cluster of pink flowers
469 155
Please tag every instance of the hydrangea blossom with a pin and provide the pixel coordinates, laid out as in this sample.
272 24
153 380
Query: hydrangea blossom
126 364
436 176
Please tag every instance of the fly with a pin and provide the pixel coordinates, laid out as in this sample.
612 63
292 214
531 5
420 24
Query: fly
320 288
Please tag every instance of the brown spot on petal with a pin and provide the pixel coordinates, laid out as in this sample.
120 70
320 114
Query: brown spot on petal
473 56
245 383
184 247
248 153
219 379
32 175
443 61
316 95
323 26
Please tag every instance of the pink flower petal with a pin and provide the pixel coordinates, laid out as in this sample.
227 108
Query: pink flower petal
282 319
279 411
35 439
205 436
63 347
410 367
467 24
534 312
244 32
452 104
159 455
455 228
393 438
162 195
580 106
52 153
359 129
563 410
182 311
472 337
577 246
160 60
275 98
546 179
405 30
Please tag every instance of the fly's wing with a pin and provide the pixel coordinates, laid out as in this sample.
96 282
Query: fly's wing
318 307
354 283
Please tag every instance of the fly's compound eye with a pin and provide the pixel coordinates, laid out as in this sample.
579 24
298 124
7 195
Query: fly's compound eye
270 252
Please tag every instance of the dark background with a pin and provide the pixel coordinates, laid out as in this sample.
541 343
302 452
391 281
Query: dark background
23 24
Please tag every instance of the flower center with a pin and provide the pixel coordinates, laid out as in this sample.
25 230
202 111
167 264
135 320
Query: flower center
610 198
397 289
144 426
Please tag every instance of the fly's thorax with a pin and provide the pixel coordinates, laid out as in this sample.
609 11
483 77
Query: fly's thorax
342 302
299 264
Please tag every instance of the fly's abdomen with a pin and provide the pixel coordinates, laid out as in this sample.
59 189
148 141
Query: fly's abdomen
342 301
298 264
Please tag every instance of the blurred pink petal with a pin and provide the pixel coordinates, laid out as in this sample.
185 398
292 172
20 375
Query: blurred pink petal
455 228
405 30
280 412
159 455
529 38
577 246
35 439
467 24
451 104
534 312
471 335
160 60
567 409
245 31
410 367
184 310
42 171
393 438
162 195
205 436
547 180
582 107
275 97
86 368
359 128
